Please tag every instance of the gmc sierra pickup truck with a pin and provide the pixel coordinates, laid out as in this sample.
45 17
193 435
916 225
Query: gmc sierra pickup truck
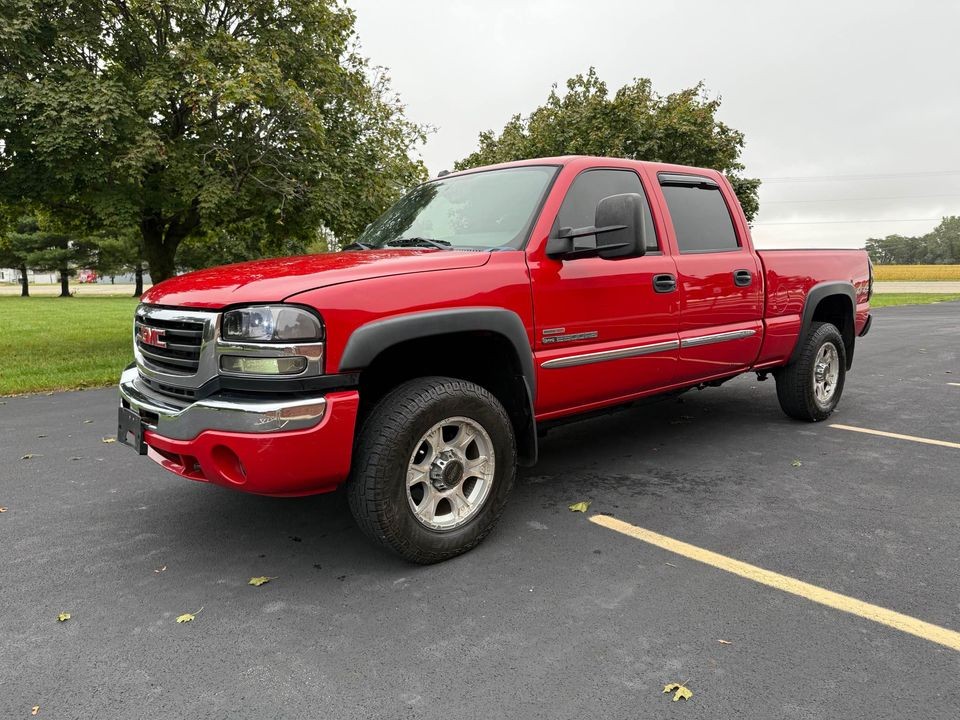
418 365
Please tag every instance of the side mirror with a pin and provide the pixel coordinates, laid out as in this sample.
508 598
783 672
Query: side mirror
618 227
623 214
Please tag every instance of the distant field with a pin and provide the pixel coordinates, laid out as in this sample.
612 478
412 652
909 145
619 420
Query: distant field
889 273
63 343
78 289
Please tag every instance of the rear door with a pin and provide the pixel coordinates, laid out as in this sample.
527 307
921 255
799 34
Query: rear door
721 287
604 330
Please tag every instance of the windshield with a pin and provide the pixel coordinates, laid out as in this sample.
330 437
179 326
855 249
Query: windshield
483 210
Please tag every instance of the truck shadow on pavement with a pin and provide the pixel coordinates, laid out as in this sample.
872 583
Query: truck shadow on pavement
625 455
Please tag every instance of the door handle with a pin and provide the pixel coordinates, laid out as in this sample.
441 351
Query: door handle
664 283
742 278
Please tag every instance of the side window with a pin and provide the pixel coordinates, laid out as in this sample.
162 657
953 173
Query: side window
700 215
579 207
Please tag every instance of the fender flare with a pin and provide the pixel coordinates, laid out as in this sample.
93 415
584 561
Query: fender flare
817 293
371 339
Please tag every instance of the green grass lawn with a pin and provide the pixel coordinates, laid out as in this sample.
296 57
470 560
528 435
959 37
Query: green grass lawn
49 343
888 299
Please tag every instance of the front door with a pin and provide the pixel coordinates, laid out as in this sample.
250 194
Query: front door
606 330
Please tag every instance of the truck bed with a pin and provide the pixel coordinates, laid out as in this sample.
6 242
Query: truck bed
789 275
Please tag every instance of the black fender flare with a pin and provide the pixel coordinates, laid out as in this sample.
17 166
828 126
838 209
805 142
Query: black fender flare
817 293
371 339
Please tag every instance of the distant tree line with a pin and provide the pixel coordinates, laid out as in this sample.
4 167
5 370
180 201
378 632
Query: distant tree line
940 246
37 242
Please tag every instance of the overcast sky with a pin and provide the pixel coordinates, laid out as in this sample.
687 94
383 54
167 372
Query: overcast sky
821 90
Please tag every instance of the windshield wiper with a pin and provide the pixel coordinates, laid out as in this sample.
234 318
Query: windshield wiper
418 242
356 246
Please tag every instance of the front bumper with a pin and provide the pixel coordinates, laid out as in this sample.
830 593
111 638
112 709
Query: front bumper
269 447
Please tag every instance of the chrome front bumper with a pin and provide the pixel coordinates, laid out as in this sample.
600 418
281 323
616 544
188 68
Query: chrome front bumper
185 421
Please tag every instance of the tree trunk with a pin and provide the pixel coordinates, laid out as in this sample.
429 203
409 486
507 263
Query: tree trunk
138 273
158 250
64 282
161 238
24 284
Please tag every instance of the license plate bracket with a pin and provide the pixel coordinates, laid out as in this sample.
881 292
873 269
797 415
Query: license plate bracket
130 430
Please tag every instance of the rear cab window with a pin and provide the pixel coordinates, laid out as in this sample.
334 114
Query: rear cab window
579 206
701 218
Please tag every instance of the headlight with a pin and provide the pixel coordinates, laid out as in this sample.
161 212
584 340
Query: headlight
271 324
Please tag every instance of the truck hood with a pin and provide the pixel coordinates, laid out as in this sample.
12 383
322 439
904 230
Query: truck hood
277 279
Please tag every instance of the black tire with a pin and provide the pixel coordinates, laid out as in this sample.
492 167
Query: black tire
377 488
796 382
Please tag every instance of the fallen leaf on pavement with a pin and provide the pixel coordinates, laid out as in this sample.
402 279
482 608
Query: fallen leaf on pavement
160 569
28 456
108 440
581 506
3 509
63 617
680 690
35 709
258 581
724 642
796 463
187 617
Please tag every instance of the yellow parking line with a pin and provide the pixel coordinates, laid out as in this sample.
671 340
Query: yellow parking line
898 621
898 436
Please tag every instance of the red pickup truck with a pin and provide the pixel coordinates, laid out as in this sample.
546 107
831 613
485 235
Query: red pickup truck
418 365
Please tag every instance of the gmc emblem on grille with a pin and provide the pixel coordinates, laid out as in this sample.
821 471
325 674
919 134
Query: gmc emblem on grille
152 336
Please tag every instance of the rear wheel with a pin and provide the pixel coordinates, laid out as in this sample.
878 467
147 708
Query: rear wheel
434 463
810 387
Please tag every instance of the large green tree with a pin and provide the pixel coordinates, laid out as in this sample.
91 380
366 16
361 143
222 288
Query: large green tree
176 117
635 122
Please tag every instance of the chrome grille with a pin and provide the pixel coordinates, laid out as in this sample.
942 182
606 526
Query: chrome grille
182 342
188 359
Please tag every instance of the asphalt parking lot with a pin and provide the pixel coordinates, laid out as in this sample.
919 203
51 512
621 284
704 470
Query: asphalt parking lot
553 616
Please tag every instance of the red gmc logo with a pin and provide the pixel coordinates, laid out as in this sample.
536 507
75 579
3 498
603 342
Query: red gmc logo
152 336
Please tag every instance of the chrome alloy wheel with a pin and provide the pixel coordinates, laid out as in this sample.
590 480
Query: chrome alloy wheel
826 373
450 473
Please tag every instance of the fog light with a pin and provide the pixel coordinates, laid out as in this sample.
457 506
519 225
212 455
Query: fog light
263 366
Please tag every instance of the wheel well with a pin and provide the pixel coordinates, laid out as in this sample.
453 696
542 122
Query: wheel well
837 310
485 358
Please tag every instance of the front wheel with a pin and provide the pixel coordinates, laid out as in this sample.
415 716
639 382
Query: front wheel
435 461
810 388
